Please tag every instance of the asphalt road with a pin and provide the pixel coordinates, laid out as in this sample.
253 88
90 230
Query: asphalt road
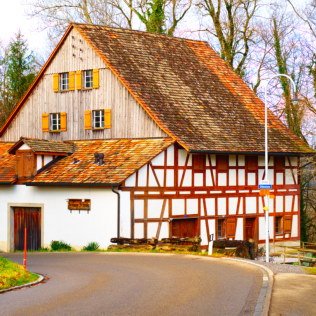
134 284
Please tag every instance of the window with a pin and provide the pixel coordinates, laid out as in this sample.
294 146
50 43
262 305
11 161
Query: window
251 163
221 228
222 163
88 79
279 163
64 81
98 119
278 225
54 121
198 163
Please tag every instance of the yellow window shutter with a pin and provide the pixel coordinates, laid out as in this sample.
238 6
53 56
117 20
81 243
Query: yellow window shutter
95 78
63 121
87 119
78 80
45 122
55 82
72 80
107 118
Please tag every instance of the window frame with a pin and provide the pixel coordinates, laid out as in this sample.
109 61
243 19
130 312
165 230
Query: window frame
221 222
94 116
198 163
64 81
278 225
57 123
87 84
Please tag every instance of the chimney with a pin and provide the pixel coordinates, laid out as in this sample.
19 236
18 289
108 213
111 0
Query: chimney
99 159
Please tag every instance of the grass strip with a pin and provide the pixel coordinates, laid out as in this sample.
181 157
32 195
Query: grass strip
13 274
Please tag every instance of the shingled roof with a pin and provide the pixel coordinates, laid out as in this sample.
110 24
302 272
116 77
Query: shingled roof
190 92
122 157
7 164
44 146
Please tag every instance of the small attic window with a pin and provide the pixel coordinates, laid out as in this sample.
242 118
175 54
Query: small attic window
55 122
64 81
98 119
88 79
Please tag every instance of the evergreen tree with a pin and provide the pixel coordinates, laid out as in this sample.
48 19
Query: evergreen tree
18 70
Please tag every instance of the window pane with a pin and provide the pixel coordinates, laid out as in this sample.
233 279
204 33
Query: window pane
55 121
88 78
64 81
98 119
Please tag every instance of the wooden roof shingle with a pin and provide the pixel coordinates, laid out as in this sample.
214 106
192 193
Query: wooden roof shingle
122 157
7 164
190 92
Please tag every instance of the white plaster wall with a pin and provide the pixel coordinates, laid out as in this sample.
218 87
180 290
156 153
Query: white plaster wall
178 206
152 229
210 206
221 206
222 179
251 205
294 232
98 225
239 229
139 208
125 228
232 205
192 206
154 208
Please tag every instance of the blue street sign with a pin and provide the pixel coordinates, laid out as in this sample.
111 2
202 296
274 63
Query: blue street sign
265 186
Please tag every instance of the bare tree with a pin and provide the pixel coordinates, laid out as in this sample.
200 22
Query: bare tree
158 16
232 23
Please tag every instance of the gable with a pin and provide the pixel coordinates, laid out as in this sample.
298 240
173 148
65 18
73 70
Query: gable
128 118
190 92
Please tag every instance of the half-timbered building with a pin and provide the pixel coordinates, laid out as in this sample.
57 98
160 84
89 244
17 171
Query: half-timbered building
131 134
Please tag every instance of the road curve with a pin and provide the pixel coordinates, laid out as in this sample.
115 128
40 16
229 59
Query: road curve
134 284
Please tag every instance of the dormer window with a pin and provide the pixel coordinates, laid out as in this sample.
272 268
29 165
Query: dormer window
64 81
88 79
98 119
55 122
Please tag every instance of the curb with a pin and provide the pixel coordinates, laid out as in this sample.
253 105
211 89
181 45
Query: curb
39 280
264 299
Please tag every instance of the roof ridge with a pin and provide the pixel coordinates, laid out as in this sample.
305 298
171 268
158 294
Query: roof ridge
142 32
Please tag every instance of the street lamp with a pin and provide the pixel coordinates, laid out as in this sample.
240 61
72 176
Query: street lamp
266 181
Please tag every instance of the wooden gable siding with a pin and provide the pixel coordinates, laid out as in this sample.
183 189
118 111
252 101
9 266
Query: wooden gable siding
129 120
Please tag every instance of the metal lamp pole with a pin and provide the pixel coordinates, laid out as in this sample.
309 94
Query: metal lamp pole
266 208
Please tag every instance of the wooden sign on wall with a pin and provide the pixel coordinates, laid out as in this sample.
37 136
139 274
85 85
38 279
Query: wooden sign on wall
79 205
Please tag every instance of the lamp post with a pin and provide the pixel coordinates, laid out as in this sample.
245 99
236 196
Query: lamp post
266 181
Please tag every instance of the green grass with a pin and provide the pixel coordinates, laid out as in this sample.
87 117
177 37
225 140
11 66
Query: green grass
13 274
310 270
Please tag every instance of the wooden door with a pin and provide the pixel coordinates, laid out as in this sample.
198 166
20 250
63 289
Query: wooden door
184 227
29 217
250 228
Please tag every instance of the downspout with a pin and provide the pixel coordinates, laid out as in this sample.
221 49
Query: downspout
118 211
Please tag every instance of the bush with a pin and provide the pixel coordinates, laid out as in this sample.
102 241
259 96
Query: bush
57 245
92 246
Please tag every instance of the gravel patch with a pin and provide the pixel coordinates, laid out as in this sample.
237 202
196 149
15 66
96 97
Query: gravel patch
281 268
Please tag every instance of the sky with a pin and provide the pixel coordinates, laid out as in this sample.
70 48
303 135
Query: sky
13 18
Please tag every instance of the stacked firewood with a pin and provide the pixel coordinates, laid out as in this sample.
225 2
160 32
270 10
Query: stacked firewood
166 244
